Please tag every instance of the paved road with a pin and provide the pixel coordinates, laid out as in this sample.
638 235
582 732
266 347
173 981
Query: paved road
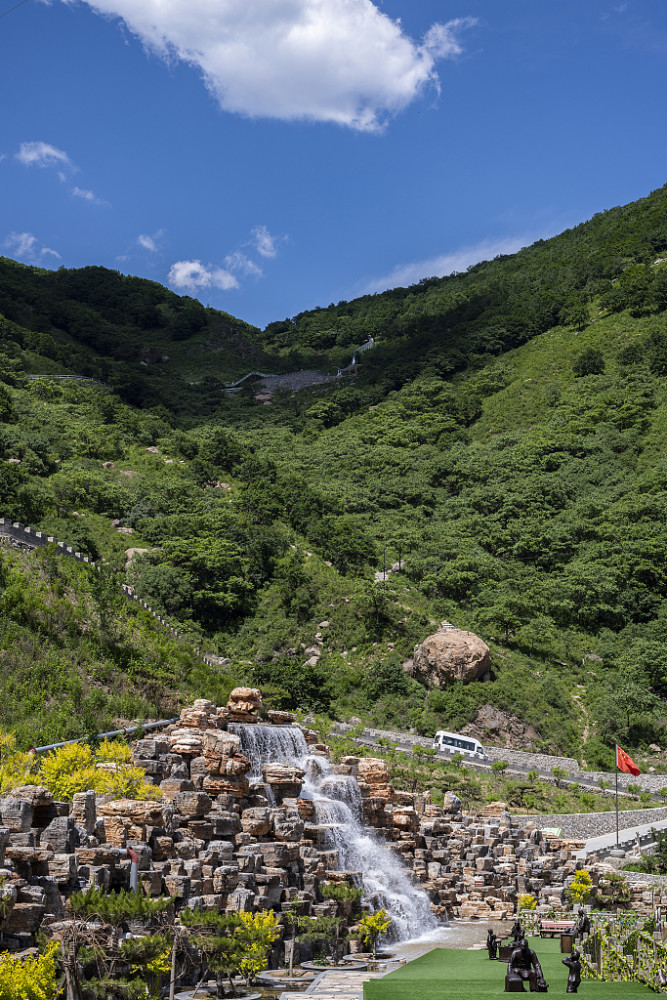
406 744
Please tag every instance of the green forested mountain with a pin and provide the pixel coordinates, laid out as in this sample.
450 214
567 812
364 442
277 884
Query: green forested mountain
505 440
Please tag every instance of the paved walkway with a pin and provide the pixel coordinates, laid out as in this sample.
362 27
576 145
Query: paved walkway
338 984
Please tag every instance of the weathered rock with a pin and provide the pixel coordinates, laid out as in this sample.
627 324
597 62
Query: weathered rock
187 741
60 836
242 705
496 726
84 810
16 814
451 655
285 780
139 811
215 784
256 822
192 804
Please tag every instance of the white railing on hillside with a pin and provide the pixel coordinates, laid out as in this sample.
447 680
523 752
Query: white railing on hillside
32 539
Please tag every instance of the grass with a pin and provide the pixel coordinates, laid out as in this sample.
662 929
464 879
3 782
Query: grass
448 974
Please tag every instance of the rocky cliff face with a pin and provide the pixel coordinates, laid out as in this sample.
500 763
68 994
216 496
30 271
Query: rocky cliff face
451 655
501 728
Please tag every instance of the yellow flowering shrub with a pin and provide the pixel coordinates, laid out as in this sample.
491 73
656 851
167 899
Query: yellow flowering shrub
68 770
15 766
107 770
29 978
255 935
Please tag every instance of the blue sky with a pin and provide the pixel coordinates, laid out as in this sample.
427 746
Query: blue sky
268 156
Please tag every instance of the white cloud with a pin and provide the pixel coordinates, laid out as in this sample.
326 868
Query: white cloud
341 61
28 248
192 275
437 267
148 243
41 154
89 196
265 243
240 264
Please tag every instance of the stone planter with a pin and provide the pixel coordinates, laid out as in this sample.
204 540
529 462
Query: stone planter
367 956
206 993
282 978
341 967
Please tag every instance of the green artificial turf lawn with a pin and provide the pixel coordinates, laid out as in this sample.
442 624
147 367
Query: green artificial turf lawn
448 974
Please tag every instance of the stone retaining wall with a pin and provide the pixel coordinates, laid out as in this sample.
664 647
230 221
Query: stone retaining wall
582 826
539 761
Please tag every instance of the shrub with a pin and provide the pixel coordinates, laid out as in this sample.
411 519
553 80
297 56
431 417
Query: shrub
579 889
32 978
15 766
107 770
499 766
526 901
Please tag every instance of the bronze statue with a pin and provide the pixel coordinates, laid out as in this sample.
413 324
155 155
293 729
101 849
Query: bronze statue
583 925
524 965
574 975
492 944
517 931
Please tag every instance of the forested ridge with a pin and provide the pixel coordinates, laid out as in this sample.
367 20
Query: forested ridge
504 443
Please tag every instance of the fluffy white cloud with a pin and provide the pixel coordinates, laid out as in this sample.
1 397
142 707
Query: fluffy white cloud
437 267
265 243
342 61
28 248
192 275
88 196
41 154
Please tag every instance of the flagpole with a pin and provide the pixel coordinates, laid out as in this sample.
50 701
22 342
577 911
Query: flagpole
616 754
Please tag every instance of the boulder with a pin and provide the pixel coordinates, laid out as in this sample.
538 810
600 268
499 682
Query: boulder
451 655
200 715
499 727
16 814
284 779
242 705
256 821
187 742
84 810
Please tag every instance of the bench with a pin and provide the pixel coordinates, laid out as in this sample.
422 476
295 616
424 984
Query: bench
550 928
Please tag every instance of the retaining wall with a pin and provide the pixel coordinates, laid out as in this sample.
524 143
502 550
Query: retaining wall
582 826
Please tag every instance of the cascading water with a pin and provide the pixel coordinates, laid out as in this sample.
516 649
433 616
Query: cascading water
275 744
338 808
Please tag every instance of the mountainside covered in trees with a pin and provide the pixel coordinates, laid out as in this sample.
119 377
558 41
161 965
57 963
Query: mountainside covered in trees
505 440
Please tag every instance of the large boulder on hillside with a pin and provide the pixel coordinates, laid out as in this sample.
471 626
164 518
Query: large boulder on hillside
451 655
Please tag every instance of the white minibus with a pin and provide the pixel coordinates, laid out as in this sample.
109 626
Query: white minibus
455 743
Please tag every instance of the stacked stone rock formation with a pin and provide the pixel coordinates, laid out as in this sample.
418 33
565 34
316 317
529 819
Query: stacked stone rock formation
216 839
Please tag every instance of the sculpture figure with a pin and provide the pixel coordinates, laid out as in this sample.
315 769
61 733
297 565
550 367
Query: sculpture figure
524 966
517 931
574 974
583 924
492 944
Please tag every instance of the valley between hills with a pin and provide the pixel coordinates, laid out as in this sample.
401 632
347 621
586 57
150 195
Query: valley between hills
501 450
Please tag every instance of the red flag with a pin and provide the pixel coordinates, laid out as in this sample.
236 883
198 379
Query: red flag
624 762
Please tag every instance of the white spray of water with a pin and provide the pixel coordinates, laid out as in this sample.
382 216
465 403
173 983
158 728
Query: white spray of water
338 809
